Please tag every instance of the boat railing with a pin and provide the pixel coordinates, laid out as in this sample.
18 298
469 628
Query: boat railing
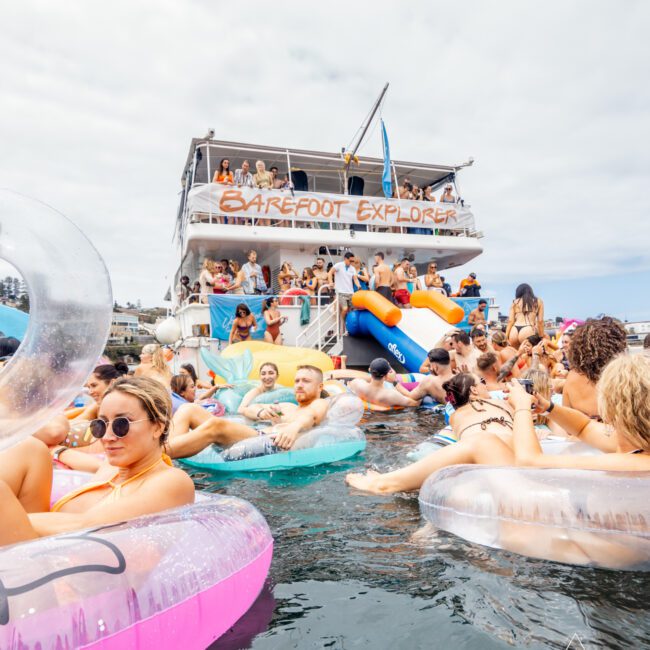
286 300
324 331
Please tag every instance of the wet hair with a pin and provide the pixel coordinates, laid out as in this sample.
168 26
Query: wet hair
499 338
623 398
157 357
461 337
180 383
439 356
477 331
272 365
8 346
192 372
594 344
524 292
379 254
457 389
108 371
153 396
486 360
242 306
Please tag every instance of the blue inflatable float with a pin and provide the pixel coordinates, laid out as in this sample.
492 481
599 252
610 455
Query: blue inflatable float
335 439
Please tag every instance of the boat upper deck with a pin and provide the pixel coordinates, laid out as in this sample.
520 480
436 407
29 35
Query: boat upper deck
322 191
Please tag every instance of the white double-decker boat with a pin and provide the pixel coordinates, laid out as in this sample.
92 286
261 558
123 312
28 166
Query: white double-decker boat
331 208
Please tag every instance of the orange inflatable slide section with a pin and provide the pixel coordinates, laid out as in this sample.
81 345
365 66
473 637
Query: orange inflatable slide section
445 308
388 313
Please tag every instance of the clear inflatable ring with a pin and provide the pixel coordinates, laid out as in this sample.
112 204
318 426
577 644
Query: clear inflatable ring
70 313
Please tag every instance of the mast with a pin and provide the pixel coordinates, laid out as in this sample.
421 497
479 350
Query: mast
349 157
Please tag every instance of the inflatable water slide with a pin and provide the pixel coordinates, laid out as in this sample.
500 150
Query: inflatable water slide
408 334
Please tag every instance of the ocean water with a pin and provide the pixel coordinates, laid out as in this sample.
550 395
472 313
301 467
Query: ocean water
354 571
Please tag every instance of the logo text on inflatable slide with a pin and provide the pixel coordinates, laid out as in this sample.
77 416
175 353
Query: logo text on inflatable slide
394 350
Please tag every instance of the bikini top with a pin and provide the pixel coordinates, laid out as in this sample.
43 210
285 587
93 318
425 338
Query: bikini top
497 419
116 488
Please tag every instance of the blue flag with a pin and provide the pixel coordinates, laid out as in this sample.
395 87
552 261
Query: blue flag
386 181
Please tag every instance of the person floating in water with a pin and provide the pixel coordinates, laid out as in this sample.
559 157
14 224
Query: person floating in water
136 479
374 389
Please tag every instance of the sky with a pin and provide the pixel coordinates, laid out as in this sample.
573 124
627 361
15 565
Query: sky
99 101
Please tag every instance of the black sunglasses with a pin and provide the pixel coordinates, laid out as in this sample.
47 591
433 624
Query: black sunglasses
120 426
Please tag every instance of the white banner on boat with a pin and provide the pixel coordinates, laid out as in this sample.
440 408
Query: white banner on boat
316 206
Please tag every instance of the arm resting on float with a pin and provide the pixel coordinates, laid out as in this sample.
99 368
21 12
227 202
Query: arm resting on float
528 452
577 424
157 493
248 398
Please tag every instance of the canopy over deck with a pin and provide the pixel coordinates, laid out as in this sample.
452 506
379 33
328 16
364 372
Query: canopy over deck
324 170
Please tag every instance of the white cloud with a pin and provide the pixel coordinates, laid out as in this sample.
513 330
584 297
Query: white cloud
99 102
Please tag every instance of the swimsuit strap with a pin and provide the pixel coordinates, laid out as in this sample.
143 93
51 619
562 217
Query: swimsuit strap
116 488
484 401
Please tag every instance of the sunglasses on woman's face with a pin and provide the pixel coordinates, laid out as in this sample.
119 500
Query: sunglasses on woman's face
119 425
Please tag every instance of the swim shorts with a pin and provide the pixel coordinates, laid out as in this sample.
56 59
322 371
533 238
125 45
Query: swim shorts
386 292
345 300
402 297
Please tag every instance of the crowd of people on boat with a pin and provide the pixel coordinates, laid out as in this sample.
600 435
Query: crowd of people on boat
273 179
395 281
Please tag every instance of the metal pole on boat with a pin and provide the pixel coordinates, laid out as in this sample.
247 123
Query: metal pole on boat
293 220
366 126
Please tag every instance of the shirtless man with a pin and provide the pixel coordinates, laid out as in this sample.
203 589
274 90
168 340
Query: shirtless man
466 353
308 413
479 339
488 370
440 368
501 346
321 274
194 428
383 277
402 295
373 389
476 317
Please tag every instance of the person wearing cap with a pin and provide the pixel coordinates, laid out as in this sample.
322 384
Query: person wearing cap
440 368
469 287
374 389
476 317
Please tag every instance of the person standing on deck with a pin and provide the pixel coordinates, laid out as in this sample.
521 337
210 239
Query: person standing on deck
344 277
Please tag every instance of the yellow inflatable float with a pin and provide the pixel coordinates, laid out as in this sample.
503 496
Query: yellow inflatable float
285 357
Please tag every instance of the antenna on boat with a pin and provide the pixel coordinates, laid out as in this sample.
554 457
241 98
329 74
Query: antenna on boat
351 155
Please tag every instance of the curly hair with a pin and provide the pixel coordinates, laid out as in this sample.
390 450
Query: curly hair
594 344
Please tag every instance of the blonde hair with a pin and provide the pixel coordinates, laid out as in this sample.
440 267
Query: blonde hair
153 396
542 385
623 401
208 264
157 358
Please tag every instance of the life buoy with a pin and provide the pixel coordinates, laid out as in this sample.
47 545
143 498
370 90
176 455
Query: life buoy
291 292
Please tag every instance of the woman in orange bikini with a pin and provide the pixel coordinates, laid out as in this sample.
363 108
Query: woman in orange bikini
137 479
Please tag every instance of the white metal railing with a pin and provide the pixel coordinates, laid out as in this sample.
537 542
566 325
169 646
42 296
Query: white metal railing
324 331
295 300
293 223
